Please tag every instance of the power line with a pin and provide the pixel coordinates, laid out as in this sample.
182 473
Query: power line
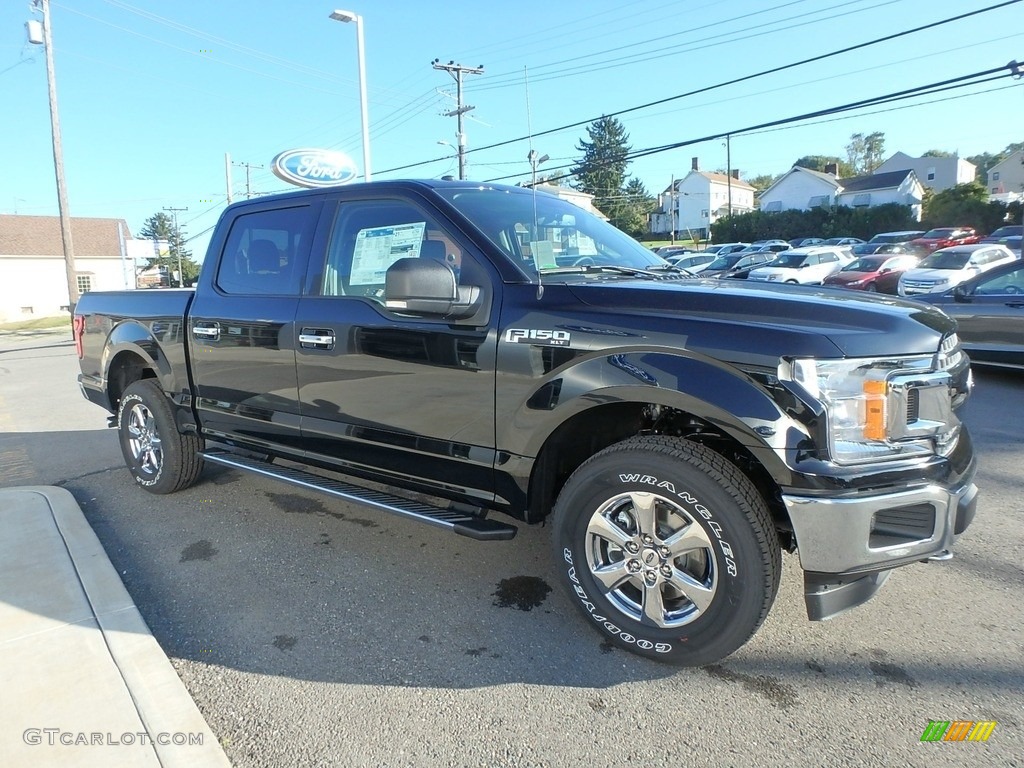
1013 69
734 81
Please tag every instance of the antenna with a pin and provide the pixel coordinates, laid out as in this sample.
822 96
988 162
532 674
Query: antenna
532 157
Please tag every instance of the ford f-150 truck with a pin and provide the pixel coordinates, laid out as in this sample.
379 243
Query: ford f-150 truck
474 349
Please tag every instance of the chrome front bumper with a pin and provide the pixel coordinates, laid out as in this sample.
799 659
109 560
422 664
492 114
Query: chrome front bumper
847 546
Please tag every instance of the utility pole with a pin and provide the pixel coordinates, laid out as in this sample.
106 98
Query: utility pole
728 180
672 207
227 173
456 71
248 178
177 242
58 155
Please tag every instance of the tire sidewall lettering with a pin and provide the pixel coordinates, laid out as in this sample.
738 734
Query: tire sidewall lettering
126 401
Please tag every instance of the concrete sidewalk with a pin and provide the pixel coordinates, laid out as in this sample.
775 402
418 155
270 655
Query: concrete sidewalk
84 681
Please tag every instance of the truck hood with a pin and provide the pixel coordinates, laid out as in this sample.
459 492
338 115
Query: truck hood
773 319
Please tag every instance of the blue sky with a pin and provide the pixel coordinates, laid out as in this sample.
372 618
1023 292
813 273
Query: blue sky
152 95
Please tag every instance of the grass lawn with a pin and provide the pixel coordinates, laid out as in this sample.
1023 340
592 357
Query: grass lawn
37 324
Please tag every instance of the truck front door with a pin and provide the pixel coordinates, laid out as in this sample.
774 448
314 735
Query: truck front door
390 395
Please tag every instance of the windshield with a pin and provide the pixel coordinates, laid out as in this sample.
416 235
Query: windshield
1011 231
864 265
937 234
789 259
540 231
945 260
724 262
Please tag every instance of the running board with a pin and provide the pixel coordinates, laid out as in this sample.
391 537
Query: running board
449 519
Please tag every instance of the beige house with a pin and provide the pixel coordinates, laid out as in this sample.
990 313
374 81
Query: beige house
935 173
1006 179
33 280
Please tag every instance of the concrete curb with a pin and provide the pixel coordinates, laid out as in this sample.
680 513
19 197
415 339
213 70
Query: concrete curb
75 648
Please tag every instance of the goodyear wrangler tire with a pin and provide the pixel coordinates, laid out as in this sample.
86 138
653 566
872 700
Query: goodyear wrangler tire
160 458
668 549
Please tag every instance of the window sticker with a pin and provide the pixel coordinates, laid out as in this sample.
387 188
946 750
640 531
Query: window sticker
378 248
543 254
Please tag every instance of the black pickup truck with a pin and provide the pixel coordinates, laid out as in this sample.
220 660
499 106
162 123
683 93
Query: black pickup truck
466 349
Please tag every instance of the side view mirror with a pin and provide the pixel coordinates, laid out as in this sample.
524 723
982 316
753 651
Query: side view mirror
428 287
963 293
884 270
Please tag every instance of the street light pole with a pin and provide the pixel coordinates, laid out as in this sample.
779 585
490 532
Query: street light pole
347 16
58 159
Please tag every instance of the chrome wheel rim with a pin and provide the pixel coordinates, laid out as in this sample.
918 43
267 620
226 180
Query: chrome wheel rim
144 440
652 560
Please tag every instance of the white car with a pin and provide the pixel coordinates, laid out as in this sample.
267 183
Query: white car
806 266
946 267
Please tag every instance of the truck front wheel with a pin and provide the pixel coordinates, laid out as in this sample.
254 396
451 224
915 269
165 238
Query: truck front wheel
160 458
668 549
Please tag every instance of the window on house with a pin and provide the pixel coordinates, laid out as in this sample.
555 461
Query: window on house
862 200
772 207
995 176
818 201
931 174
84 283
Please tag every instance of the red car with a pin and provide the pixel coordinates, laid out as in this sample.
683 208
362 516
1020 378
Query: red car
878 272
944 237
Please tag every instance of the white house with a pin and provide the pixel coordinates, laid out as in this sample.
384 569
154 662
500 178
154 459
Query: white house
935 173
574 196
1006 179
699 199
33 280
803 189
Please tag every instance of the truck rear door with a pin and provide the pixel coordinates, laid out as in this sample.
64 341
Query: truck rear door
242 324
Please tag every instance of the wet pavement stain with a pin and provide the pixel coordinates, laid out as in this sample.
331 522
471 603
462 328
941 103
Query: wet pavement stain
891 673
200 550
815 667
476 651
778 693
424 638
285 642
524 593
294 504
607 646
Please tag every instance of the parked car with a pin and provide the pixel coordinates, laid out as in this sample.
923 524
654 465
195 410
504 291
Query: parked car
804 242
989 310
944 237
842 241
721 249
901 236
692 262
878 272
737 266
806 266
940 271
867 249
1003 234
669 250
775 245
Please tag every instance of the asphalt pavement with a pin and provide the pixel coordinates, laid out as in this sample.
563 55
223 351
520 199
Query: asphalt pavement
310 632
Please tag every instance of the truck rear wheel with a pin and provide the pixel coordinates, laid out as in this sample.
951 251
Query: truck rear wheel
668 549
160 458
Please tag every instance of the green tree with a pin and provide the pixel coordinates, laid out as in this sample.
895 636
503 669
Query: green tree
635 209
819 162
762 182
160 226
864 152
602 170
965 205
937 153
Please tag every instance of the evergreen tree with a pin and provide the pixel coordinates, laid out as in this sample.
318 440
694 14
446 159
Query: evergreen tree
602 170
160 226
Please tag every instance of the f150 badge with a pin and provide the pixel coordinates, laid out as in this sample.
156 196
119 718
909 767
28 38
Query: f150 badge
538 336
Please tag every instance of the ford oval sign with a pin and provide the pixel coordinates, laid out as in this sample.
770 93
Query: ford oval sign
314 167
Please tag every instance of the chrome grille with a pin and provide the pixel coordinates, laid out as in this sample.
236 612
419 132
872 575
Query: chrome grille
950 354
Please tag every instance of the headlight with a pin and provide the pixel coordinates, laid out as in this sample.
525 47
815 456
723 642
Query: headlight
862 424
773 277
940 281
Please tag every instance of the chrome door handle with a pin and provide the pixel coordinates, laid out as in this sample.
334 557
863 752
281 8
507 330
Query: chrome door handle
316 338
208 332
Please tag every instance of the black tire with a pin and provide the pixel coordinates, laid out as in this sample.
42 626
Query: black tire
792 282
728 558
871 288
160 458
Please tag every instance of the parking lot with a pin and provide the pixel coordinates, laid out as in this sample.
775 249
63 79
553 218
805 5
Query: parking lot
310 632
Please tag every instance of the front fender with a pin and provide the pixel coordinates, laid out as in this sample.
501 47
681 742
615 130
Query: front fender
722 395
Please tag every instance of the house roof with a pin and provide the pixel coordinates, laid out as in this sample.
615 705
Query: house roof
40 236
719 178
867 183
826 177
